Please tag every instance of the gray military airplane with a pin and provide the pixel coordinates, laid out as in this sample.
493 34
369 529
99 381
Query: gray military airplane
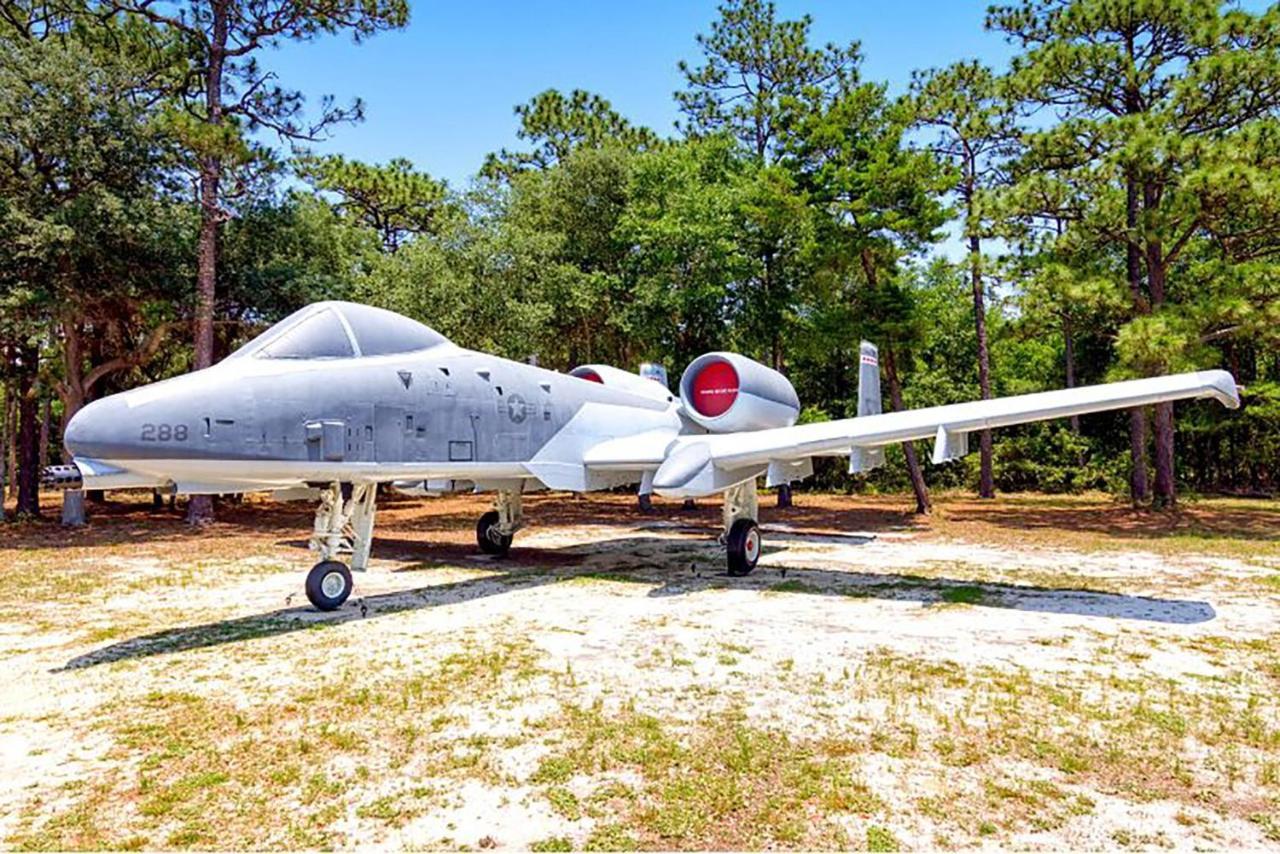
339 397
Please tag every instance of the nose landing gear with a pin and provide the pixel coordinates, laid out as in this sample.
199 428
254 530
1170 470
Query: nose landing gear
344 525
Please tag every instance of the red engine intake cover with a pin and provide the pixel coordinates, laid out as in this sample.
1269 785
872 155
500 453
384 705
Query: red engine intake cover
715 388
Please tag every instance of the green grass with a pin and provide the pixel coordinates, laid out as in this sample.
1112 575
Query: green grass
880 839
722 784
793 585
963 595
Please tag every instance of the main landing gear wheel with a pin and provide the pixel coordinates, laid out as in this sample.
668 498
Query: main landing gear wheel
328 584
744 547
490 539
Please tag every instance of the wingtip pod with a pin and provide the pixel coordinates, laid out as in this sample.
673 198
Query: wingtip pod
1222 386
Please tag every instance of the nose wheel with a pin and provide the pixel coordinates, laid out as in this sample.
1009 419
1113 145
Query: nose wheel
328 584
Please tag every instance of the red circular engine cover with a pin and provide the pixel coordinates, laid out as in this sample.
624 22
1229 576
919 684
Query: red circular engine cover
715 388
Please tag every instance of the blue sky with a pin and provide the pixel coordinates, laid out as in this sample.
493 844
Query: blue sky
441 91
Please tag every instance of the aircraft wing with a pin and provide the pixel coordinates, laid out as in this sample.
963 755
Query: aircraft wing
704 464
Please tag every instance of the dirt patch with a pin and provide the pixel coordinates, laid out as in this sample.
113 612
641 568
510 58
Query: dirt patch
1033 672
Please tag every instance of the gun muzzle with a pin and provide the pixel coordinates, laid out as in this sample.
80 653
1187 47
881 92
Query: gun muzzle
62 477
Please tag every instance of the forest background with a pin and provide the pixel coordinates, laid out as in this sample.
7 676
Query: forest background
1115 188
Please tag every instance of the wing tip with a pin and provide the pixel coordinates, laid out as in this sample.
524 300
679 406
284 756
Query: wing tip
1222 385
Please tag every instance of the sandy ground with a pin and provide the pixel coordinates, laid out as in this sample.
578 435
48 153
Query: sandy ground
1038 674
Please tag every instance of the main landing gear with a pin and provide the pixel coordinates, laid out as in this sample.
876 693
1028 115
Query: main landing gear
344 526
741 532
497 528
329 584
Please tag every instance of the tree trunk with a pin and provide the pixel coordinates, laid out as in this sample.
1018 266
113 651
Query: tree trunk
986 479
5 471
200 508
28 432
1139 490
1166 493
73 395
11 432
1166 489
46 417
1069 340
923 505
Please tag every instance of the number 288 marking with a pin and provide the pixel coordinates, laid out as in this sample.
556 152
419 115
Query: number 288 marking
164 432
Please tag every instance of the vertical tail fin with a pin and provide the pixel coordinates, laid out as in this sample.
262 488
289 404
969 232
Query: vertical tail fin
865 459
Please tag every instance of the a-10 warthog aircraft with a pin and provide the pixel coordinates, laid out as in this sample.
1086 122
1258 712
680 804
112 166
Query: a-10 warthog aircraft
340 397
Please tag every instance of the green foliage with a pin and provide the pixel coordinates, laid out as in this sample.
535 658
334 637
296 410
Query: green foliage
683 222
1130 227
557 125
394 200
757 72
1176 103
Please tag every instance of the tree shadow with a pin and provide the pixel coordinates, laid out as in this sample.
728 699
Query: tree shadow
1258 520
130 518
687 566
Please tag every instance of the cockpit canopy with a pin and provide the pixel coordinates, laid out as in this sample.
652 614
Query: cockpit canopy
340 330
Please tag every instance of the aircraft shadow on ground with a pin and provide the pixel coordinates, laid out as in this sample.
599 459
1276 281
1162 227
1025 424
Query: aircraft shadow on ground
686 566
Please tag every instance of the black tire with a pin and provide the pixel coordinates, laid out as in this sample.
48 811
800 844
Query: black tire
744 547
488 538
322 584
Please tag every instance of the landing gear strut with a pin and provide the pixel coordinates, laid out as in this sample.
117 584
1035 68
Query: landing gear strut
741 532
497 528
344 525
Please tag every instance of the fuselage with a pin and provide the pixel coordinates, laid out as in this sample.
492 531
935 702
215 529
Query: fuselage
439 412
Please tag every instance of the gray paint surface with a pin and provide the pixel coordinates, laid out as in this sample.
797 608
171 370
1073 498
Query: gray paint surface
436 405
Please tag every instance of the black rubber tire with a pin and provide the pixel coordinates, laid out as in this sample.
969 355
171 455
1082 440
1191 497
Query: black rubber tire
743 545
489 540
315 584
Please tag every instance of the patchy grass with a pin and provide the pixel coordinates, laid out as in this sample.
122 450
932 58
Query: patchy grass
722 783
193 771
880 839
1135 738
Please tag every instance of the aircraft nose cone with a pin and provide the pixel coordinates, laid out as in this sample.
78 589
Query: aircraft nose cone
95 429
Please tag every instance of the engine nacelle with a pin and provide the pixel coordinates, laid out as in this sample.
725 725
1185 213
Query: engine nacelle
612 377
725 393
